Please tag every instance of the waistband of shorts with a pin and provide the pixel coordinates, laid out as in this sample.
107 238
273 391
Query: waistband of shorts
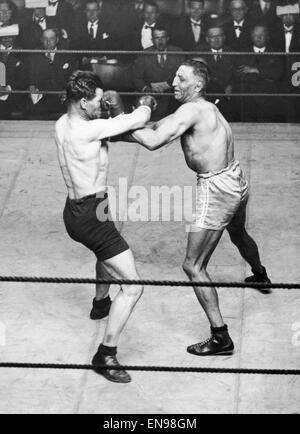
99 195
232 165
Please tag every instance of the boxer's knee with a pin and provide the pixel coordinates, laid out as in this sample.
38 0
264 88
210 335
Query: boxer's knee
134 291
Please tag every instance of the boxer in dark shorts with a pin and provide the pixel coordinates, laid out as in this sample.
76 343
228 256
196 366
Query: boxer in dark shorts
84 226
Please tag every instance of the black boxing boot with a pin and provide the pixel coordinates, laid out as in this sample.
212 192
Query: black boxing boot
107 356
219 344
100 308
259 278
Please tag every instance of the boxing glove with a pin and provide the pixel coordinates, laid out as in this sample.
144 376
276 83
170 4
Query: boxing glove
147 100
112 102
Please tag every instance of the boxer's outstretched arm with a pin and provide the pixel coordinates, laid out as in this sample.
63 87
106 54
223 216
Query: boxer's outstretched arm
170 129
99 129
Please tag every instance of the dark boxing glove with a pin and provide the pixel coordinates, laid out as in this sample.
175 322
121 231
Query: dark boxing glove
112 102
147 100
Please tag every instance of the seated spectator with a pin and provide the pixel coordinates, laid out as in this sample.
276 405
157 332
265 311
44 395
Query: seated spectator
221 66
259 74
237 30
286 37
11 104
92 33
34 23
189 32
60 15
139 37
155 73
48 72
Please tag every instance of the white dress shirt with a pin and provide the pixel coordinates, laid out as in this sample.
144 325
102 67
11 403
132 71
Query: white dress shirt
218 53
259 50
146 35
94 26
196 27
288 37
238 31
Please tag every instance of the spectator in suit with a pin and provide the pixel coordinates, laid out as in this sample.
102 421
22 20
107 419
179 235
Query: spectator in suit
221 66
237 30
35 21
155 73
263 11
259 74
48 72
60 15
91 32
189 32
11 104
287 39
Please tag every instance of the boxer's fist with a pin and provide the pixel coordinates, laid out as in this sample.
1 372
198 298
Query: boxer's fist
147 100
112 102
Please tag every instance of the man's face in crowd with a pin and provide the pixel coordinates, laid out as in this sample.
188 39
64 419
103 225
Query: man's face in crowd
7 41
288 19
259 36
150 14
196 10
92 11
5 13
92 107
215 38
49 40
160 39
186 84
238 10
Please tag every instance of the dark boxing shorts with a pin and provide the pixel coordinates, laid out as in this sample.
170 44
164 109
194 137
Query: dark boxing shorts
84 226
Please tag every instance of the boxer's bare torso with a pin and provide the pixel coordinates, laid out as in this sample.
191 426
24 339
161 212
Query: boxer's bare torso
84 163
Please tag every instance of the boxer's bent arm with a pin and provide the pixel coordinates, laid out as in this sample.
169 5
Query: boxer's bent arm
103 128
172 128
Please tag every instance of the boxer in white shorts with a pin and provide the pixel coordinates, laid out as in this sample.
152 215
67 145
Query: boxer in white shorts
222 191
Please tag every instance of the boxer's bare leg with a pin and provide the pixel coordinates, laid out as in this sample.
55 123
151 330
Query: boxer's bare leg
201 245
101 289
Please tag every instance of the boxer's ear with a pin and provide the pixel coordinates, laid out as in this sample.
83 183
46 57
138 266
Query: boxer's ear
83 102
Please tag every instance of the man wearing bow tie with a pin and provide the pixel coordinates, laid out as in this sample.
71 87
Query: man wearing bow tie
189 32
286 38
237 30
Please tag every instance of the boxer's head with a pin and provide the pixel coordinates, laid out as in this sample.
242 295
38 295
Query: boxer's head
190 81
85 92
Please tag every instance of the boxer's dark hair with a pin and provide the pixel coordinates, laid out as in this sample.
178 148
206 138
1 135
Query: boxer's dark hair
82 84
201 70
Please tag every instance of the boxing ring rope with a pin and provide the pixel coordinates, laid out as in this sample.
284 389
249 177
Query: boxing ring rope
179 369
184 283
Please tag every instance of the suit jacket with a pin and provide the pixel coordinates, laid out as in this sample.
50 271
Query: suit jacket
50 76
182 34
14 65
271 70
221 71
278 38
256 15
64 17
241 43
80 39
31 32
146 69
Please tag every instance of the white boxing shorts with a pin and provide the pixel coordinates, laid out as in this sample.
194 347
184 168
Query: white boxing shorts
219 196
